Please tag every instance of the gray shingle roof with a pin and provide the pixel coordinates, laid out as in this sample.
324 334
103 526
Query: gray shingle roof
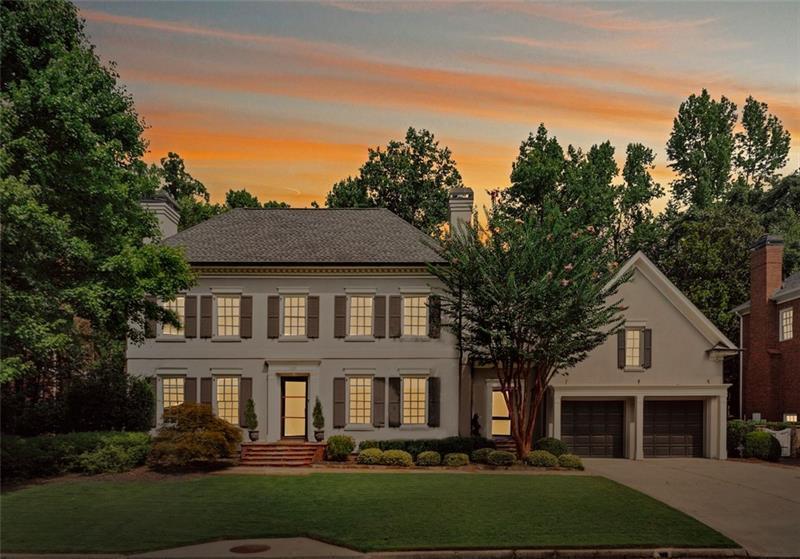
305 236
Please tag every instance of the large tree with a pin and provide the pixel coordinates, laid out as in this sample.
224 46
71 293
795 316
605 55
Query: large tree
762 147
411 178
531 297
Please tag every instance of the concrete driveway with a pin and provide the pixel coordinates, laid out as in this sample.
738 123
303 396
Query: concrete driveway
756 505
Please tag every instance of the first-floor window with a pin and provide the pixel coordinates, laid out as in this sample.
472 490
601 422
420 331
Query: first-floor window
228 399
414 398
294 315
227 315
178 307
172 391
360 316
415 316
785 325
360 400
633 347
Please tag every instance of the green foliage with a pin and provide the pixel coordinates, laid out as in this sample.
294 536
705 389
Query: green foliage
370 456
114 456
429 458
319 419
411 178
455 460
339 447
192 437
762 445
397 458
443 446
570 461
556 447
481 456
250 417
541 459
243 199
502 458
762 147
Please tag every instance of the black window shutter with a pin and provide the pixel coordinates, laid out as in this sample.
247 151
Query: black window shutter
339 390
313 316
154 387
621 349
434 394
247 316
378 402
273 316
190 313
395 316
379 317
340 316
394 401
206 314
434 316
205 391
647 362
190 390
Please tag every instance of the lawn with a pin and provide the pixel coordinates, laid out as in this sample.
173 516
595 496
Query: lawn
367 512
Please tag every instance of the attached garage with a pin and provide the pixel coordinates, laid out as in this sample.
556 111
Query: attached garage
673 428
593 428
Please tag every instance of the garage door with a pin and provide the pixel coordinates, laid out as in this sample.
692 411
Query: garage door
593 428
673 428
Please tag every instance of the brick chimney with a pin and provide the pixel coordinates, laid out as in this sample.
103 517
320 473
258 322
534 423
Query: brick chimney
166 209
460 207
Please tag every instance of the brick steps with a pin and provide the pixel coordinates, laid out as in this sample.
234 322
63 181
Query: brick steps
506 444
281 454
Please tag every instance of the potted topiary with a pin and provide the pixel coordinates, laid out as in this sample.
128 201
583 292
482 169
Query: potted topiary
319 422
251 420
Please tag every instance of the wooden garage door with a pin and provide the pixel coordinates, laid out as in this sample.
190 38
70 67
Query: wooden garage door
593 428
673 428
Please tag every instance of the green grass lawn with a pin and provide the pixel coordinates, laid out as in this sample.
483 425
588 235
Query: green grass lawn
368 512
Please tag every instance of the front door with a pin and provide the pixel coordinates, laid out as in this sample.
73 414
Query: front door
501 418
294 406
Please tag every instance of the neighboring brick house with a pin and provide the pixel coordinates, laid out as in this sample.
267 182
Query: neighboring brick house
770 337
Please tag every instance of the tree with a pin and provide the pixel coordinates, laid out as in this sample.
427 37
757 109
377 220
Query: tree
412 178
700 149
532 298
779 209
762 148
241 199
178 182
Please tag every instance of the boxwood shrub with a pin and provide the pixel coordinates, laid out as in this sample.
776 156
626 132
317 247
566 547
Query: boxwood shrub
397 458
481 456
541 459
339 447
371 456
456 459
447 445
429 458
570 461
502 458
555 447
762 445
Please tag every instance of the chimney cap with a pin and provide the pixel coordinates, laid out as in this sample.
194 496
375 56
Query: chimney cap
767 240
462 194
162 195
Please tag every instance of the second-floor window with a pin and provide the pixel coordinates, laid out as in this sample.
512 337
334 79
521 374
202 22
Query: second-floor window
227 315
785 324
633 347
178 307
415 315
294 315
360 315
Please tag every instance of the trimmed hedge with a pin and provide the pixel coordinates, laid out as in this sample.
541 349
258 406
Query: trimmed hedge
448 445
339 447
541 459
456 459
570 461
397 458
429 458
556 447
502 458
762 445
481 456
370 456
738 429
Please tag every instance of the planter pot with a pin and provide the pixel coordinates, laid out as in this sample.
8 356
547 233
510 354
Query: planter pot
319 435
253 435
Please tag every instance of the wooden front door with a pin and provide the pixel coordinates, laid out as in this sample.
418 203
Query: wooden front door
294 408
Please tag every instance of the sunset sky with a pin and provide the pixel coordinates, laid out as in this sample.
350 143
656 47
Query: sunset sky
284 98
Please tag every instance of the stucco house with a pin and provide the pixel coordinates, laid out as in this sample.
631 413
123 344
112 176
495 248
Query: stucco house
294 305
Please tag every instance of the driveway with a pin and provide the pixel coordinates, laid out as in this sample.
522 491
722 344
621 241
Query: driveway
756 505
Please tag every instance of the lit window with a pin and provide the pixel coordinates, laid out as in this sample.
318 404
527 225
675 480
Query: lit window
786 329
360 316
227 315
501 419
172 391
415 316
790 417
414 397
294 316
177 306
228 399
360 392
633 347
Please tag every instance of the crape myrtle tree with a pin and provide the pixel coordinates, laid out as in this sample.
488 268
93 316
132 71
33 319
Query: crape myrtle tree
531 296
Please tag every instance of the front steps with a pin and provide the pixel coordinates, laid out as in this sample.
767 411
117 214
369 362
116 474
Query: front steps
282 454
506 444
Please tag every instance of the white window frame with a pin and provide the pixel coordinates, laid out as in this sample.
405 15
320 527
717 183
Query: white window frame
161 376
349 378
424 378
215 317
215 376
638 367
782 334
427 296
371 334
181 335
294 337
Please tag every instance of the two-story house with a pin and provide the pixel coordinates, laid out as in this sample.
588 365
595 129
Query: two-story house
295 305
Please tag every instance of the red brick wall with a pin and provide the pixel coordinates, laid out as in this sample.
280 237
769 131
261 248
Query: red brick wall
789 364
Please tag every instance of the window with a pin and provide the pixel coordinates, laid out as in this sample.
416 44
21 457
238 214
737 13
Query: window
633 347
415 316
414 396
501 418
360 397
360 316
228 399
172 391
294 315
227 315
785 324
790 417
178 307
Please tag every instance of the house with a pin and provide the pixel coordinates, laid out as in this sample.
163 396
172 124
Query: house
295 305
770 337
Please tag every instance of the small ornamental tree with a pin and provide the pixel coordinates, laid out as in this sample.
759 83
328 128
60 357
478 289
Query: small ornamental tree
532 298
319 419
250 417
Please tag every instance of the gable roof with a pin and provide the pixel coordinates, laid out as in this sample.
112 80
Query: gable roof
373 236
645 266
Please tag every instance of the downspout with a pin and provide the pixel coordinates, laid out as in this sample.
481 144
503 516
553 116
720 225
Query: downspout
741 364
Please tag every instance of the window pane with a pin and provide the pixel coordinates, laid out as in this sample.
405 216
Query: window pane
499 408
177 306
360 316
787 328
294 427
172 391
228 315
633 339
294 316
415 316
360 401
295 388
414 397
228 399
501 427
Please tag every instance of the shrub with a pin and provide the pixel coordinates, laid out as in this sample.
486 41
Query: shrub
542 459
737 430
570 461
192 438
397 458
107 459
762 445
250 417
364 445
339 447
555 447
481 456
370 456
456 459
429 458
319 419
502 458
448 445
